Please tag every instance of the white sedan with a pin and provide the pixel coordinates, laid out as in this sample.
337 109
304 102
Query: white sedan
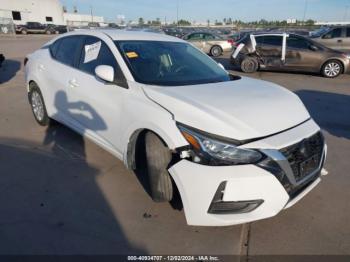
236 149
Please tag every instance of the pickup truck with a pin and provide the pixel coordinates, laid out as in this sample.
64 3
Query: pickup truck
36 28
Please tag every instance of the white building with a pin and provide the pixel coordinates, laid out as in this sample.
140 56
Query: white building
74 19
42 11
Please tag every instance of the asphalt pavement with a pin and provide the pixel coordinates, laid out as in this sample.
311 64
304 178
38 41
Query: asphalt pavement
61 194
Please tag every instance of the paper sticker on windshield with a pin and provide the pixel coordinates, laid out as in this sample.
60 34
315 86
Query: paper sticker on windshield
92 51
132 54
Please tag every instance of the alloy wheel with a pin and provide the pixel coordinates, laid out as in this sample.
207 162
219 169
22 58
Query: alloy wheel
37 106
332 69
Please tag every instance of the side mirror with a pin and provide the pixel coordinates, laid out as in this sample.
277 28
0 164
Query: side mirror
105 73
313 48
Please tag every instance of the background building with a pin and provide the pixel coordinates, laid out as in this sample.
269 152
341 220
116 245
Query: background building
42 11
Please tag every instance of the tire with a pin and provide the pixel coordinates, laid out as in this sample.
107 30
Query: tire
332 69
249 65
37 104
158 158
216 51
48 32
24 32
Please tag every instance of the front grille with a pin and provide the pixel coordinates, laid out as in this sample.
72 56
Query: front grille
304 157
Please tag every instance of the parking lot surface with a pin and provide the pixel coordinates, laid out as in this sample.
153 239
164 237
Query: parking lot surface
61 194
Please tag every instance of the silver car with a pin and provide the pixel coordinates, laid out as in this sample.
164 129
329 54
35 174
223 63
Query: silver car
334 37
209 43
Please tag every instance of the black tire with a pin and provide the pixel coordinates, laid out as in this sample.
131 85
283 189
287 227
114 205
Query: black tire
216 51
24 32
48 32
35 90
332 69
158 158
249 65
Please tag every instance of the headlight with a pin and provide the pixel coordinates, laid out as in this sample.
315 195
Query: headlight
215 151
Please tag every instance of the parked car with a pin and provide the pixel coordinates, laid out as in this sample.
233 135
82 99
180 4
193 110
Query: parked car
209 43
288 52
35 28
239 35
61 29
236 149
333 37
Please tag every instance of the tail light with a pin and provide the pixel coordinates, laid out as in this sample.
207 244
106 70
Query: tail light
233 43
25 61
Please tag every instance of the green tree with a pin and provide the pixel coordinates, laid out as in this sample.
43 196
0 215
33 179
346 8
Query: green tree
310 22
141 21
183 22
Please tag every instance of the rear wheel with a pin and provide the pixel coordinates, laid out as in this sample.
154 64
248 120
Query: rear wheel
215 51
249 65
332 68
24 32
38 106
158 158
48 32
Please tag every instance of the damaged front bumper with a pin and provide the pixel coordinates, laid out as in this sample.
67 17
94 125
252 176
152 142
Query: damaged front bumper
229 195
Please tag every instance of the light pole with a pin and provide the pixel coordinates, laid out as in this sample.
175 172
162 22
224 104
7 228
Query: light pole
92 17
305 9
346 13
177 13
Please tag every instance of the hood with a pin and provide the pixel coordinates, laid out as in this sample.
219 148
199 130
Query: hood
241 109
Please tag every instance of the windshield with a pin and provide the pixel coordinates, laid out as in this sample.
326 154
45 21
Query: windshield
170 63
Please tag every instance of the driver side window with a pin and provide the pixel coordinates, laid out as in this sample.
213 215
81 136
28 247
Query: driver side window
296 42
333 33
94 53
195 36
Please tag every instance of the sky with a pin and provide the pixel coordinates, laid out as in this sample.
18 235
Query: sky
201 10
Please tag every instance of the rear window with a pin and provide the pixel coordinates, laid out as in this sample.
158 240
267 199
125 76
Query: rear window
54 47
269 40
67 50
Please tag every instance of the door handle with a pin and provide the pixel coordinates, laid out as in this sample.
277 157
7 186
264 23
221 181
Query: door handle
73 83
340 41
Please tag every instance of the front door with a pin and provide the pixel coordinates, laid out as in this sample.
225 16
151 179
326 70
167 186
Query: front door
300 55
333 39
98 104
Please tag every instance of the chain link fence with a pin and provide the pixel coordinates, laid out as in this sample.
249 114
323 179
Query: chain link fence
7 27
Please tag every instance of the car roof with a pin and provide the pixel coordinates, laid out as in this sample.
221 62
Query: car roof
122 34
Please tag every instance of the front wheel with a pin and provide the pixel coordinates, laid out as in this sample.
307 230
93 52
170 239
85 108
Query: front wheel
38 106
332 69
158 158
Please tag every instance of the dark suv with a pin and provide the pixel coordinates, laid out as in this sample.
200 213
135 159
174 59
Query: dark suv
36 28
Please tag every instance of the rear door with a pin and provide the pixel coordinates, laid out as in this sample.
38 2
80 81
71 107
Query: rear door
61 70
196 39
269 48
300 56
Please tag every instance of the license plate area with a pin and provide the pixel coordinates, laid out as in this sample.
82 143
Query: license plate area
308 166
